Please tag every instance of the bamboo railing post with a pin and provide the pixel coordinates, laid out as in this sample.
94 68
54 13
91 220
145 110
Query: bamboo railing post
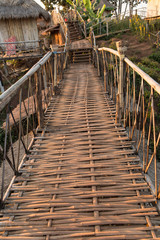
104 70
55 69
38 95
121 49
98 66
100 27
107 29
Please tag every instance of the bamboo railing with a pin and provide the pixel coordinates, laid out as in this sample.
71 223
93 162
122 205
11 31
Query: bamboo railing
108 26
20 49
22 109
137 99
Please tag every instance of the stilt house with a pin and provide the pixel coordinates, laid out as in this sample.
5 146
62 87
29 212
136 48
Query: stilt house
18 20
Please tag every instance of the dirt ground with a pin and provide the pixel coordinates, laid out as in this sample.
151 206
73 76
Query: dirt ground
135 47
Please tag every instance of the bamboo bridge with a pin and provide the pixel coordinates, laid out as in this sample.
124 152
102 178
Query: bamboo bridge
80 176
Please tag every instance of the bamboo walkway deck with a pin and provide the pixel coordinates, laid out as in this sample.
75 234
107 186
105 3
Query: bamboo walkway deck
82 179
80 44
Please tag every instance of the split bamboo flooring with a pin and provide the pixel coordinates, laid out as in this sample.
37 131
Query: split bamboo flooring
80 44
82 179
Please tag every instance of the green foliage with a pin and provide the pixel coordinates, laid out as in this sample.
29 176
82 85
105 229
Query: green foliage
150 65
155 56
154 25
113 45
86 9
152 68
138 25
116 25
49 4
100 13
152 72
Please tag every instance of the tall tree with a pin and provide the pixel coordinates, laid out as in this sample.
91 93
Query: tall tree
49 4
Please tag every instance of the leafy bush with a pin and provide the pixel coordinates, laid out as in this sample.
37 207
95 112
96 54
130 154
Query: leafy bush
138 25
155 56
150 71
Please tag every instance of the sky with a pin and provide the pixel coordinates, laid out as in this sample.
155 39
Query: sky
39 2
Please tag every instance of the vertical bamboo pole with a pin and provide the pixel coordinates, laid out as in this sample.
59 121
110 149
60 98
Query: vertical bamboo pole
98 66
104 70
20 127
100 28
107 29
129 103
55 69
143 125
3 163
40 114
120 49
155 148
28 113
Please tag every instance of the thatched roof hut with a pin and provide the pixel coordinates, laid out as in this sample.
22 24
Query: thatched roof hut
19 9
18 20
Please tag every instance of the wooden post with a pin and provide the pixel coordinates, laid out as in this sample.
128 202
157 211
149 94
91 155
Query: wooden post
55 69
107 29
104 68
100 26
5 68
136 12
121 49
147 26
117 109
38 94
98 68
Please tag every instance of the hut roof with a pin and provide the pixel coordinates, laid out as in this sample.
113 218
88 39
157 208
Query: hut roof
102 2
15 9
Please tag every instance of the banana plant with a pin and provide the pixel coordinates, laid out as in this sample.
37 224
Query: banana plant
86 8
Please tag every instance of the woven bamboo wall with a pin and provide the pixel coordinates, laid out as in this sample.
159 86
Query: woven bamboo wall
22 29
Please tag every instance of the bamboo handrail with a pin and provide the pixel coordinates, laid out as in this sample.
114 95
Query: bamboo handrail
155 85
109 50
128 85
19 42
34 91
11 92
